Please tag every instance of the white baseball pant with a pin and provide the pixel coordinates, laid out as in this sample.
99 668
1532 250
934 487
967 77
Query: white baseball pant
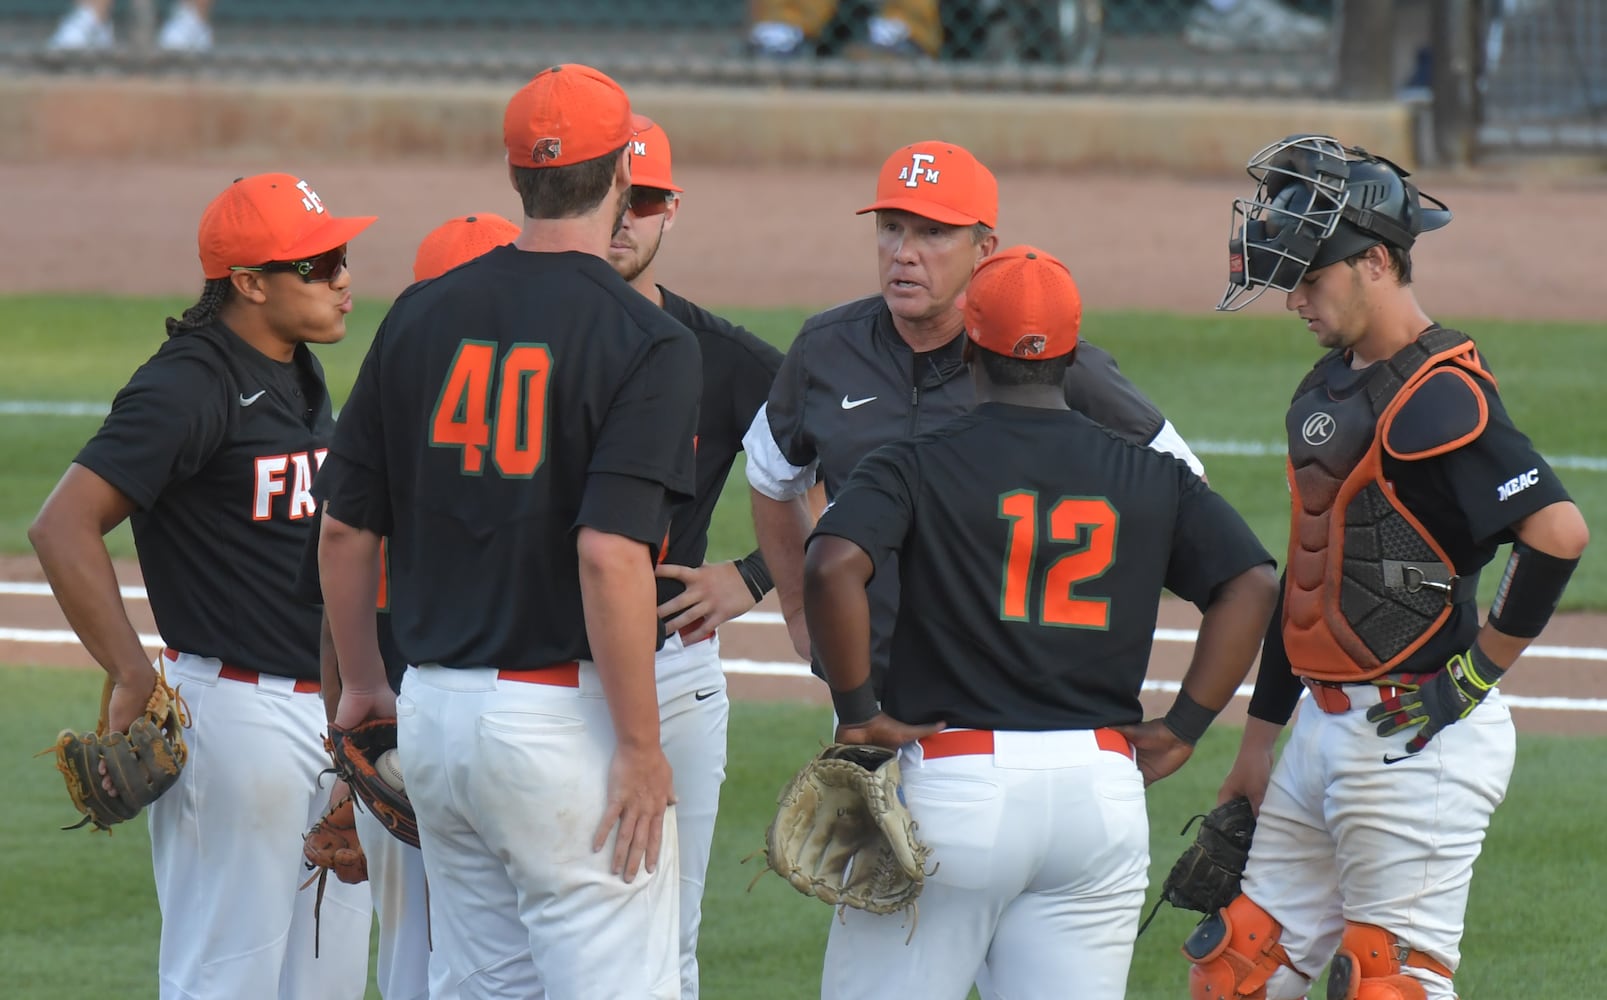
1344 836
693 727
1040 859
407 967
226 847
509 781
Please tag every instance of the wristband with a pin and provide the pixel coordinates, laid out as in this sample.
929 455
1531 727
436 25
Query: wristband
1477 669
755 574
1529 590
1188 719
856 707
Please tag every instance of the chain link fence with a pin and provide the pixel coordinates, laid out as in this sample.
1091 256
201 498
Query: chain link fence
1499 74
1175 46
1544 75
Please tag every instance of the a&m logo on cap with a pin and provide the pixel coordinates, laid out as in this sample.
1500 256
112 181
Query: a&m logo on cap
917 171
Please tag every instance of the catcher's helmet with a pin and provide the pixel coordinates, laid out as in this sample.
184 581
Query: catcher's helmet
1317 203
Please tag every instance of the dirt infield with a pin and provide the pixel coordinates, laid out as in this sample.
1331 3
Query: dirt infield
768 238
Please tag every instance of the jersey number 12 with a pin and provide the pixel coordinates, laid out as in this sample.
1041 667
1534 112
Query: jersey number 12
513 424
1090 521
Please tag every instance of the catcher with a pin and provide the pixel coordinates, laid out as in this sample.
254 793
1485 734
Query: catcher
1020 624
112 775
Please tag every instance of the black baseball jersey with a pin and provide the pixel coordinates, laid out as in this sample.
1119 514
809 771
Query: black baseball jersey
850 384
216 444
1032 547
738 368
1467 500
308 589
503 406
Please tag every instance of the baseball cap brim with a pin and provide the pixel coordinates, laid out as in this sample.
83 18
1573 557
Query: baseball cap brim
924 208
328 236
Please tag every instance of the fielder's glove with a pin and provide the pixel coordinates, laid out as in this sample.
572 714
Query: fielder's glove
331 846
355 751
1448 696
1206 878
843 834
141 764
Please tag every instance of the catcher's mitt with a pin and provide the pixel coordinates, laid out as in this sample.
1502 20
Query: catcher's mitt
355 752
141 764
843 834
331 846
1206 878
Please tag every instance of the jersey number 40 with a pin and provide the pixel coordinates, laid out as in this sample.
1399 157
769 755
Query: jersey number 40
1089 522
512 422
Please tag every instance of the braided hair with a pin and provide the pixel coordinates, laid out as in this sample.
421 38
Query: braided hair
213 295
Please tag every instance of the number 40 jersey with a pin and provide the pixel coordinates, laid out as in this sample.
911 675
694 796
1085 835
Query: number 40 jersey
502 407
1033 546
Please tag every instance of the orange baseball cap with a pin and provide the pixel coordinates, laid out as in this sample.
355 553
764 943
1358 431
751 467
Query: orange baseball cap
565 115
938 181
459 241
267 218
650 156
1022 303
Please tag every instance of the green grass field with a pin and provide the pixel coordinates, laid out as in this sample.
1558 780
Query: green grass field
80 917
1219 378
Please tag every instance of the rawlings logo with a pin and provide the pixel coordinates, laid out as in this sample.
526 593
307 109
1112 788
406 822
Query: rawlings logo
1317 429
546 150
916 172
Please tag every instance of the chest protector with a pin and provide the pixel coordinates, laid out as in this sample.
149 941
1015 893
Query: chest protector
1366 585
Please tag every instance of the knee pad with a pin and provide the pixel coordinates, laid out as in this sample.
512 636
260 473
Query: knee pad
1234 952
1368 966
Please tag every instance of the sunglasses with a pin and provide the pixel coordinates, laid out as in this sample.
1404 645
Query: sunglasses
646 201
323 267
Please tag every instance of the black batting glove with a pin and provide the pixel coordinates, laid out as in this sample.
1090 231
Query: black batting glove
1448 696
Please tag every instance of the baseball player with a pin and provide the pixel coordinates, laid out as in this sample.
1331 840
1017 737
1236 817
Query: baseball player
1406 473
518 434
211 449
408 967
695 596
889 366
1033 546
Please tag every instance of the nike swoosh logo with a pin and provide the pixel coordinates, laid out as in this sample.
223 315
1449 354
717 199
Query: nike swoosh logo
1396 760
705 695
248 400
849 404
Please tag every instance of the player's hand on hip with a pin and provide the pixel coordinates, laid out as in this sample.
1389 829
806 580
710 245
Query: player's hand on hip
715 593
883 730
1157 749
130 695
358 706
1448 696
639 790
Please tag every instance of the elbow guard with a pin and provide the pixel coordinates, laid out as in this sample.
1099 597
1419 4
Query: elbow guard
1530 588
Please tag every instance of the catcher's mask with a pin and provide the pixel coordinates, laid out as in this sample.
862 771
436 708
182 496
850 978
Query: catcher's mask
1317 203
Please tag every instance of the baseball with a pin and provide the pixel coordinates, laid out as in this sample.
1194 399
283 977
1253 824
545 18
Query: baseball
390 768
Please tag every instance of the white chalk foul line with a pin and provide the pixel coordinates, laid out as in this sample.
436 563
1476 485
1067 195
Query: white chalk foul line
1244 449
761 668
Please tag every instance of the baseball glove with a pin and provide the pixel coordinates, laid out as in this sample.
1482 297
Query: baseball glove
355 752
843 834
141 764
331 846
1206 878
